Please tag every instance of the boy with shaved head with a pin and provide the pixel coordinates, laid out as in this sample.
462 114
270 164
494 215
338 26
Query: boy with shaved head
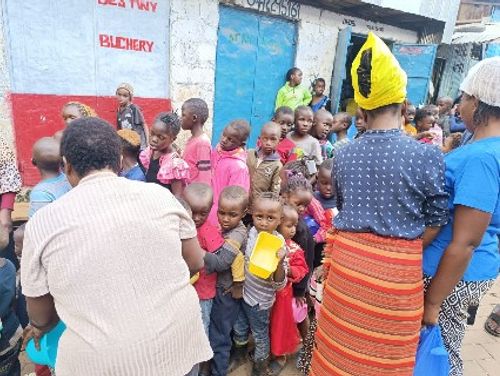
47 159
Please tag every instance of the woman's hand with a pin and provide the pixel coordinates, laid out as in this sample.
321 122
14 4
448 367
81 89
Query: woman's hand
29 333
431 314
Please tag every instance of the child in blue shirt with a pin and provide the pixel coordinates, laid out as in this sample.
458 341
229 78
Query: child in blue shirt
47 159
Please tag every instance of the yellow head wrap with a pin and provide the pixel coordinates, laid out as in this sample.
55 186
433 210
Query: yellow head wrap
377 78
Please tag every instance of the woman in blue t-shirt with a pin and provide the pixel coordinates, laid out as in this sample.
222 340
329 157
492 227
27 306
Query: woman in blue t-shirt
462 260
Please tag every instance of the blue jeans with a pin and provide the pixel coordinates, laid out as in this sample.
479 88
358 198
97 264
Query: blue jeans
194 371
224 314
206 309
258 322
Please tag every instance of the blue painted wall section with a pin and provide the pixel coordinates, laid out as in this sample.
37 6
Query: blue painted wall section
417 60
253 54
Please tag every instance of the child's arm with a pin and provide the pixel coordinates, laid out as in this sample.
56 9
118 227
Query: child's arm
221 259
203 164
280 98
240 176
177 186
276 180
297 265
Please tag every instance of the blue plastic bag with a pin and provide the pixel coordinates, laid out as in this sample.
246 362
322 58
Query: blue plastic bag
432 357
311 224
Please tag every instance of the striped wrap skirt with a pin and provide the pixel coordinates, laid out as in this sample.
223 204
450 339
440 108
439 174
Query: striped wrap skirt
370 318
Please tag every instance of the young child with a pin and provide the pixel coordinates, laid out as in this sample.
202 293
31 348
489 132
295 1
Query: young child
198 148
229 162
47 159
360 123
228 262
341 122
285 314
298 194
72 111
199 197
301 137
162 165
424 121
293 94
284 116
322 126
436 130
264 162
131 147
259 294
319 99
409 118
128 115
444 104
326 196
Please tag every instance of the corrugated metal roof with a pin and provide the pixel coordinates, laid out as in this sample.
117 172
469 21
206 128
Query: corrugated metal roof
479 33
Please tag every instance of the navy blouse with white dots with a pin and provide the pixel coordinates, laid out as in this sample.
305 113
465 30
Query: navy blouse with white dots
391 185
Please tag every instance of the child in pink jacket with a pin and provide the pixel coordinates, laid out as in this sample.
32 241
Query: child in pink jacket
229 162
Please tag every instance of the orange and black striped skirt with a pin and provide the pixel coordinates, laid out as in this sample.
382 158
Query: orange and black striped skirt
370 319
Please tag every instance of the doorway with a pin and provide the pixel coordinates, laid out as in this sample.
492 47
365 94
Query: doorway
254 52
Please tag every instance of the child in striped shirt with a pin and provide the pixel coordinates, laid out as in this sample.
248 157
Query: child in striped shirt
259 294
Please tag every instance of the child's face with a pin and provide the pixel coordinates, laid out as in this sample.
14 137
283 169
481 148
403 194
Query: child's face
200 208
425 124
266 215
296 78
187 119
286 123
325 186
435 112
159 138
299 199
360 121
230 139
269 140
323 122
288 225
123 97
339 124
70 113
230 213
319 88
303 122
443 106
410 114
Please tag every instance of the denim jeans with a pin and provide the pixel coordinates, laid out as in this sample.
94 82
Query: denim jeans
258 322
224 314
206 309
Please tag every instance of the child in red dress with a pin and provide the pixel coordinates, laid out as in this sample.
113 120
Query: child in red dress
283 326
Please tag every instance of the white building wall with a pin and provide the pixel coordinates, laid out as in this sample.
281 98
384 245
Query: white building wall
6 129
193 44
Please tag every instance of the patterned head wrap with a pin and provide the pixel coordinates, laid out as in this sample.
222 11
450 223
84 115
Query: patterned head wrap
127 87
83 109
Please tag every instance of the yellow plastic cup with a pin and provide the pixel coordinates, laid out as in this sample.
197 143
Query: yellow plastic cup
264 259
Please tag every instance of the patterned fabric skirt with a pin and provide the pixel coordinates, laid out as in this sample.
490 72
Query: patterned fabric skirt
370 319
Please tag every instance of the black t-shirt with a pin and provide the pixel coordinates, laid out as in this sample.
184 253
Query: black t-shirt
152 173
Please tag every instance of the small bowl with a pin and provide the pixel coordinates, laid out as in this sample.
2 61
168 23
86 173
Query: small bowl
264 259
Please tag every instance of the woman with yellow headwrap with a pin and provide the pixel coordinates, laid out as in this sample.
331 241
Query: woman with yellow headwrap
371 314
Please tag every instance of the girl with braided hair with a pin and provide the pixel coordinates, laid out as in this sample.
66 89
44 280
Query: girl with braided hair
71 111
161 163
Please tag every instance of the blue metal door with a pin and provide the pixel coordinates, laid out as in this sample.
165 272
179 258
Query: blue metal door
339 68
253 54
417 60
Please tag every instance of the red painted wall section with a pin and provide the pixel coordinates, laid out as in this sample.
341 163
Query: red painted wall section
37 116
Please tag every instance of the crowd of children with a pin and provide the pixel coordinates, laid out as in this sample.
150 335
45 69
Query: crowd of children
282 187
